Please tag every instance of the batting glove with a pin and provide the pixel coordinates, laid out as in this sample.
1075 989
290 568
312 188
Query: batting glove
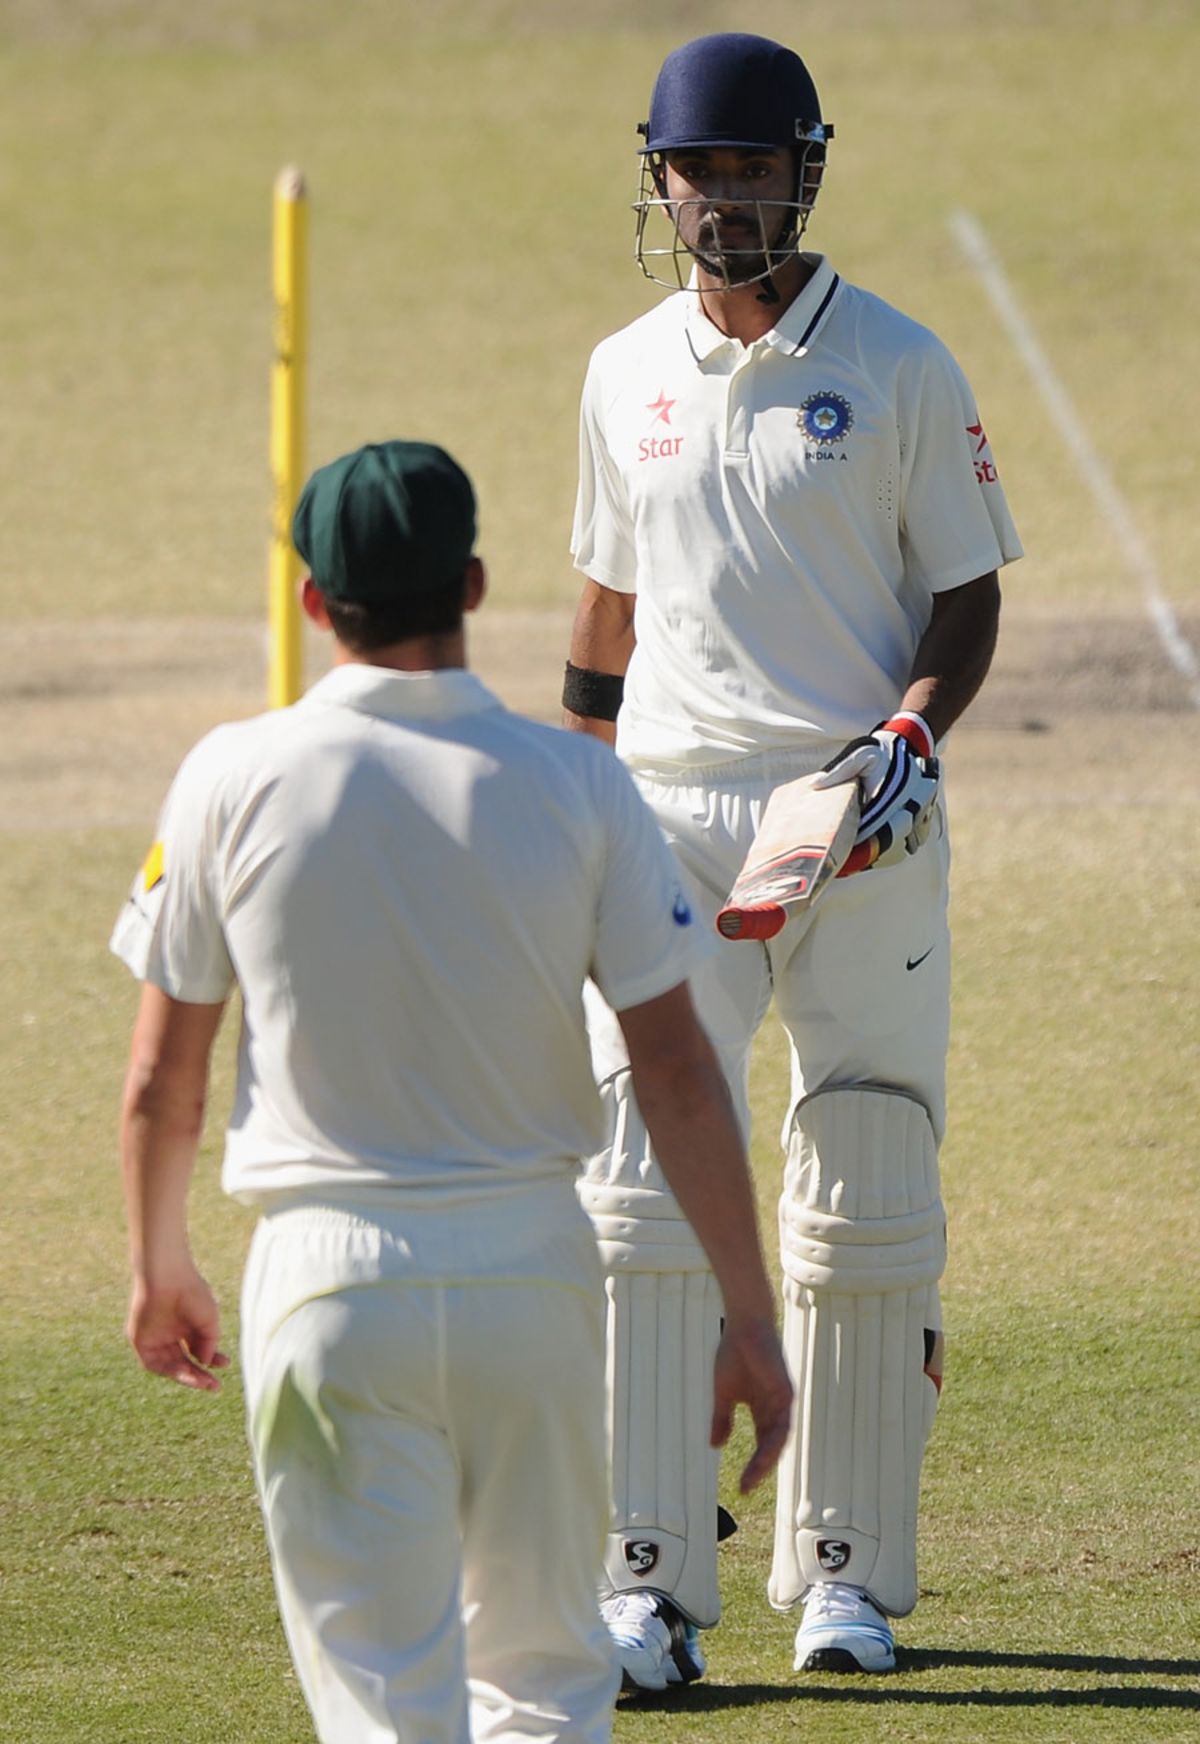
899 776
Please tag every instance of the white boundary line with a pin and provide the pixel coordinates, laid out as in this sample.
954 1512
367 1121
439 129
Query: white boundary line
980 255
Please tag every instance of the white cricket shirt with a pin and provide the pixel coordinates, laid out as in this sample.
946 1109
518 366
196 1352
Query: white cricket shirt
410 885
784 511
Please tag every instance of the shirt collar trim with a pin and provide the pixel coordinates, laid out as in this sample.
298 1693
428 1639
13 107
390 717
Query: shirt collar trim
798 325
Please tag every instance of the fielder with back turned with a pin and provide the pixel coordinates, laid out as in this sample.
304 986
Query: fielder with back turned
790 524
409 885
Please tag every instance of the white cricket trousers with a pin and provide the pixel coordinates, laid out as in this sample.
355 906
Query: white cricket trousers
430 1458
861 986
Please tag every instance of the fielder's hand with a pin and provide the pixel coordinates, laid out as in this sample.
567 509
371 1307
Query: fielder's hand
174 1327
750 1370
899 776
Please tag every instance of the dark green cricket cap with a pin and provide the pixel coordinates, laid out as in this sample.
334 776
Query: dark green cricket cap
393 521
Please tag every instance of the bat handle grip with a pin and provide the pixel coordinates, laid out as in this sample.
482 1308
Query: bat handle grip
861 857
751 923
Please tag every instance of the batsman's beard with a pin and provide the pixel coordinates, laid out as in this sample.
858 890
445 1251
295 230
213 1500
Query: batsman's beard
737 251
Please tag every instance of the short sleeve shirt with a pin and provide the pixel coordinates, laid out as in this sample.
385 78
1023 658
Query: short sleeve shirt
784 511
410 885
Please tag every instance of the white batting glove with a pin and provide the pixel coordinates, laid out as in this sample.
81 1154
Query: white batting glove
899 776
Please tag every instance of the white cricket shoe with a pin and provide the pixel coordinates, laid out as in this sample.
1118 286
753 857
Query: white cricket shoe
842 1631
655 1644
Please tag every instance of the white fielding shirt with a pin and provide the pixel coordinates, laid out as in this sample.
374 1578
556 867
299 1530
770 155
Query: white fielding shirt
784 511
410 884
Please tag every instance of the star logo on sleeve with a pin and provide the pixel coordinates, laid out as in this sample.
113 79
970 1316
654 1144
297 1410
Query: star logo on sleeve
985 468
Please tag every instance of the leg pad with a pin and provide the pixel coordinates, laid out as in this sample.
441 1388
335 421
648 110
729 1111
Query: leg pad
862 1234
664 1324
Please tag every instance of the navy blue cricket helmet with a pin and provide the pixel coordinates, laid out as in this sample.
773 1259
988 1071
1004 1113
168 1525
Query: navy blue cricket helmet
739 91
733 90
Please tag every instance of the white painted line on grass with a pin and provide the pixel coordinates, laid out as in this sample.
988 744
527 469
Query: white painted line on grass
982 257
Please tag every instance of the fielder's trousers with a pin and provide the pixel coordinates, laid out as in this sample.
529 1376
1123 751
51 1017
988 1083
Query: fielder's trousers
430 1458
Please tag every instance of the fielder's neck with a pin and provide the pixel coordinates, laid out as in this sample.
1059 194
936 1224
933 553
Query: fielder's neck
414 654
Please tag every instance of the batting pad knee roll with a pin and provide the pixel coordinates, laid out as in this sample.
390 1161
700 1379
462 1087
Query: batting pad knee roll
862 1235
663 1326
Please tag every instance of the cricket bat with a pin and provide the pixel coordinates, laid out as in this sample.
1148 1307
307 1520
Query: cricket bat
803 841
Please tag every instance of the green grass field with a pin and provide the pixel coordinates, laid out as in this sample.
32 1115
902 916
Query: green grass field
471 240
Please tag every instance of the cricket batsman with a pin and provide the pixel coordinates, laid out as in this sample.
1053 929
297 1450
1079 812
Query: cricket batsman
789 522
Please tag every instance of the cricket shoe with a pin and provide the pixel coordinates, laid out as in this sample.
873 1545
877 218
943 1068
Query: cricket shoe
654 1642
842 1631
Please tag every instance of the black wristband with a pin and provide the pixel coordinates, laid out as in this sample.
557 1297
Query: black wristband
595 695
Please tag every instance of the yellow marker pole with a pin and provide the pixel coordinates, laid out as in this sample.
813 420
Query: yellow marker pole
290 274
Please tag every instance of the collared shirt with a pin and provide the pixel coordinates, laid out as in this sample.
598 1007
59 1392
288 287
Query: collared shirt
410 885
784 511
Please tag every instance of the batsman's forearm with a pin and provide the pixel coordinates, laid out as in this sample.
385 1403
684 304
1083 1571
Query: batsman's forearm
954 654
603 730
602 640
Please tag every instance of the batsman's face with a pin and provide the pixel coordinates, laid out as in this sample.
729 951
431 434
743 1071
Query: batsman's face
730 206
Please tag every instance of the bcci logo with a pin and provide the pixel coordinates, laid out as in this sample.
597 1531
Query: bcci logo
825 417
641 1555
832 1554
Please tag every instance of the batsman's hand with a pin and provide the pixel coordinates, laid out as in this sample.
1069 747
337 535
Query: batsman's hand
750 1370
174 1326
899 777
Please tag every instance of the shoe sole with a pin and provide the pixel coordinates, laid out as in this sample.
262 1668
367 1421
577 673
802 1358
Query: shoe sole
685 1668
840 1659
631 1687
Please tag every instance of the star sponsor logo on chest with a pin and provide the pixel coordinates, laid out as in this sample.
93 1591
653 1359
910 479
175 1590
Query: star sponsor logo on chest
658 446
826 419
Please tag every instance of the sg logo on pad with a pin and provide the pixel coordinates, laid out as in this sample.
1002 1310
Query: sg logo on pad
832 1554
641 1555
